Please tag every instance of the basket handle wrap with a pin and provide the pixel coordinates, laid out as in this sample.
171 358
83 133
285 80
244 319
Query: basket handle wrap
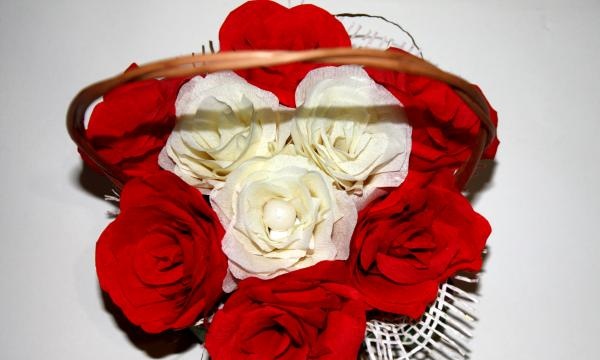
187 66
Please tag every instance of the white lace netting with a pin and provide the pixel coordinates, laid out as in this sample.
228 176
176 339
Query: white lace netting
442 332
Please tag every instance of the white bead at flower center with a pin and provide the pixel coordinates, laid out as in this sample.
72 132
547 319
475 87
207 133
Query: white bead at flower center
279 215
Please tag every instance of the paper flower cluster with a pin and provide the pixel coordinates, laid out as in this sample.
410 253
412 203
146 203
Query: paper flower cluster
303 197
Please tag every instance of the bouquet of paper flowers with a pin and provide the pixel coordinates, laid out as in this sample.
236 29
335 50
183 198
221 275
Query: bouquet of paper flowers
295 205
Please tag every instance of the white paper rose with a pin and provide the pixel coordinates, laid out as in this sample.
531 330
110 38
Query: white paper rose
222 120
353 129
281 214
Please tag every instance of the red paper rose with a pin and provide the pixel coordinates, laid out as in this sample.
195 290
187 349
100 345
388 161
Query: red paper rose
444 127
306 314
266 25
160 260
132 123
405 245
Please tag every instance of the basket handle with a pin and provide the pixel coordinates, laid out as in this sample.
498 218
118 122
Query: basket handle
187 66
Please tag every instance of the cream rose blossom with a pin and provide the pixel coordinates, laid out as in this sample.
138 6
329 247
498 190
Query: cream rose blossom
281 214
222 121
353 129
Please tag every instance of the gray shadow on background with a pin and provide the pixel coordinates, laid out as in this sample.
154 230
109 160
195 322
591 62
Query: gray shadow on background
155 346
479 184
92 182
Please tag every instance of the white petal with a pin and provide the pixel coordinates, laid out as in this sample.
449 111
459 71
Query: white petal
223 121
353 129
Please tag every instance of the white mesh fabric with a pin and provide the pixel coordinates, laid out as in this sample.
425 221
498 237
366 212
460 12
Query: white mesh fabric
442 332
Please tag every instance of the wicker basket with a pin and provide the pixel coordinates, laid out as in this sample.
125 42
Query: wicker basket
399 339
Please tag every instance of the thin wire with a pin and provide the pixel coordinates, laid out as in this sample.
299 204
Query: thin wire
412 39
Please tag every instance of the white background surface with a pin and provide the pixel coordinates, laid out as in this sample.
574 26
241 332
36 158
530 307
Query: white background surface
536 60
